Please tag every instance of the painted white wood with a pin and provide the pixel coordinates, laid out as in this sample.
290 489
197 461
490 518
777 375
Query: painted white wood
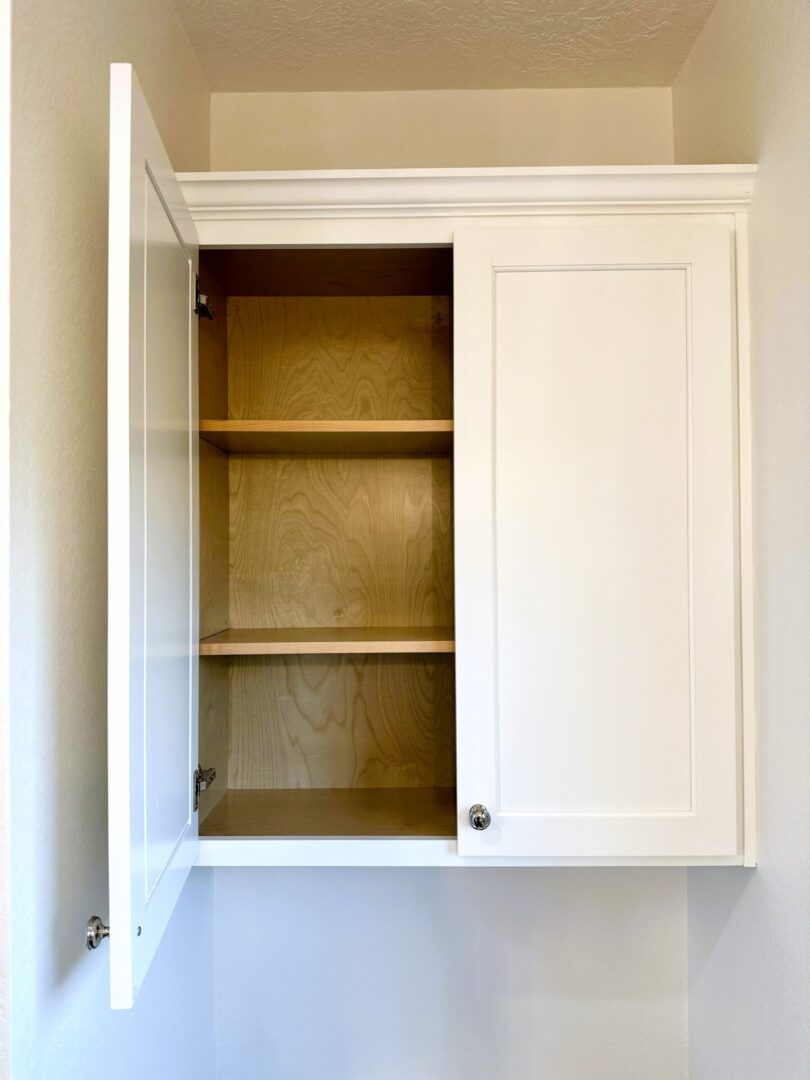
453 192
152 538
746 554
597 629
426 206
399 851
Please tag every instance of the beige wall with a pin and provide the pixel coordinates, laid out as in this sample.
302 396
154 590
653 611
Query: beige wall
744 94
61 1024
441 128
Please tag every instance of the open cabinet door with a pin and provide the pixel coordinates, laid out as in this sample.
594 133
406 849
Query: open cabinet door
152 537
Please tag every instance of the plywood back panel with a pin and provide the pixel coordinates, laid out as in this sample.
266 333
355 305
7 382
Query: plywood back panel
340 542
339 358
353 721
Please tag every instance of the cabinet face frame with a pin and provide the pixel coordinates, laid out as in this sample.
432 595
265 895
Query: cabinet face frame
425 207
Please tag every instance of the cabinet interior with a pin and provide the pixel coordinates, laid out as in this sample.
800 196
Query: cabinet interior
327 683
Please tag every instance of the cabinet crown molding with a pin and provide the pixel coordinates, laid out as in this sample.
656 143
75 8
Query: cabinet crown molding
458 193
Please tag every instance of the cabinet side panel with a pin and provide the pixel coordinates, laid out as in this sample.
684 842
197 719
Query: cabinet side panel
213 363
214 542
213 730
214 594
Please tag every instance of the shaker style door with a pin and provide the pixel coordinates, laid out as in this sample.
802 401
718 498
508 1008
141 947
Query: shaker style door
595 513
152 485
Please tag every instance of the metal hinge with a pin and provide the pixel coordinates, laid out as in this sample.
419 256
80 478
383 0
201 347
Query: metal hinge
201 305
203 779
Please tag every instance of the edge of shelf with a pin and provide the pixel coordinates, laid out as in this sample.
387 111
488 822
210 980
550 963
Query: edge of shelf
330 436
329 641
339 426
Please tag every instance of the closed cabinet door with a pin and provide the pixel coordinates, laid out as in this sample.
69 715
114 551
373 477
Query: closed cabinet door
596 521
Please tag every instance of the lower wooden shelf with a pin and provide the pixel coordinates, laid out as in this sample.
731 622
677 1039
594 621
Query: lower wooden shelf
334 812
295 641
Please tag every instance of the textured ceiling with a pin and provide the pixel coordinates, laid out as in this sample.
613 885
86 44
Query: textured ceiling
440 44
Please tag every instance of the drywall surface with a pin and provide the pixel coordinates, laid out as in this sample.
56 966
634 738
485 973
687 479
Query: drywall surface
743 95
62 1028
451 974
450 128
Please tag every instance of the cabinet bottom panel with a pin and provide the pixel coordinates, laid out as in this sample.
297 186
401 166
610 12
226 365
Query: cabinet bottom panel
334 812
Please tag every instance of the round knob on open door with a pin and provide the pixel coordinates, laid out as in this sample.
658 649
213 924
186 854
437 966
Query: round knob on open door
96 931
479 817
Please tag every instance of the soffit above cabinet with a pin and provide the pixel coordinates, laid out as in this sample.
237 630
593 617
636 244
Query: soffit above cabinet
304 45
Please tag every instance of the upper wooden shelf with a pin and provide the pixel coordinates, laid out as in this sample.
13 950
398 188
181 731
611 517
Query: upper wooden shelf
330 436
295 641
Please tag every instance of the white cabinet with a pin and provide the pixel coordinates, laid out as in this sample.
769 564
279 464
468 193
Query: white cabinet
470 473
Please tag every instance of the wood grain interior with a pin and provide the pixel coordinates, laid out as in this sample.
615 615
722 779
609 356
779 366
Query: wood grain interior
214 540
327 692
339 358
333 542
214 563
294 641
213 746
341 721
324 812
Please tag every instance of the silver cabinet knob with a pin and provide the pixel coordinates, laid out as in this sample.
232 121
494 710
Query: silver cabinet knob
96 931
479 817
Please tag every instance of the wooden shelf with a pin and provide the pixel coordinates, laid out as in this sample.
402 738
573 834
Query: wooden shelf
334 812
330 436
306 641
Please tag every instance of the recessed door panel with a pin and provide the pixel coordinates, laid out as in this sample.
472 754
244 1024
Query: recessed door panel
592 563
168 556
